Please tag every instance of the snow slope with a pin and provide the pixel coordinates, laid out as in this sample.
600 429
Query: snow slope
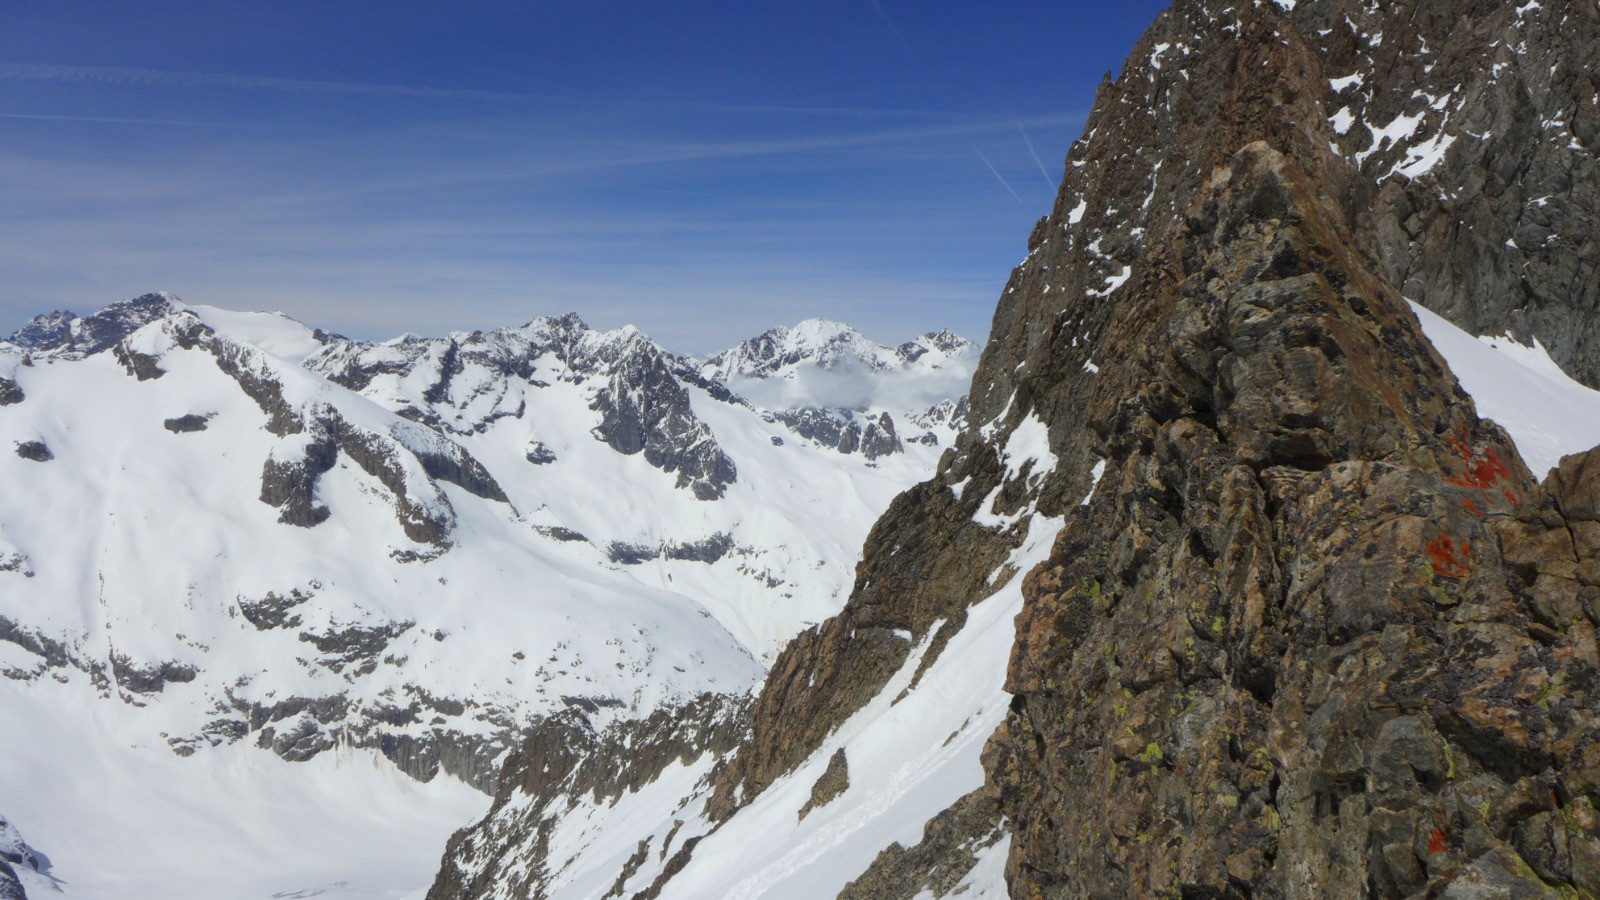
1546 412
120 817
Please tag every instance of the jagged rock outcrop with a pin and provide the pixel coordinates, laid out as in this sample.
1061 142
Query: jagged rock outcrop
465 385
941 861
67 335
1510 121
835 780
843 430
708 551
290 484
148 679
274 610
15 855
643 409
1256 662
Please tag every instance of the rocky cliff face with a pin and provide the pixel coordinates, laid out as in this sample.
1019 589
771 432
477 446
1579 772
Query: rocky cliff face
1305 638
1310 627
464 383
566 774
1318 633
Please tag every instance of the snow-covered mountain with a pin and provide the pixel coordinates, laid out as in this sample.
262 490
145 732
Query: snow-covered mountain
230 543
819 364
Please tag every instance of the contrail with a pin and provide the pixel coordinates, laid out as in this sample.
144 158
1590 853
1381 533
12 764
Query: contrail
883 14
996 173
95 119
164 77
1035 153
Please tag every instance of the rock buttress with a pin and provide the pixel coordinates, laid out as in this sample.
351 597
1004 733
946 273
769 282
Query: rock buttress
1318 632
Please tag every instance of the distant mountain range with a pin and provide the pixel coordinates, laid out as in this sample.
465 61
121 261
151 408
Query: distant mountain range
229 530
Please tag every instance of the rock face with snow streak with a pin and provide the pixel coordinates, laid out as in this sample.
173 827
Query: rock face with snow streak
1270 493
566 771
460 384
1497 105
784 352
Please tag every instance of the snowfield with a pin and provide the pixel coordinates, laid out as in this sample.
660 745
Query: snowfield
1547 414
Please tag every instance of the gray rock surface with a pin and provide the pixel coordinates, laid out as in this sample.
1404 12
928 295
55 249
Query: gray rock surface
187 423
37 451
640 389
15 854
844 430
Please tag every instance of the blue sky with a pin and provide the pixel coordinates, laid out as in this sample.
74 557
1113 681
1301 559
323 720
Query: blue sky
700 169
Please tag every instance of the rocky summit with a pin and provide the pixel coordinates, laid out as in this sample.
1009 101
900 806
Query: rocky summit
1228 588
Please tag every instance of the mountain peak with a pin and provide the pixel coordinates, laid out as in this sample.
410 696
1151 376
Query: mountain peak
66 332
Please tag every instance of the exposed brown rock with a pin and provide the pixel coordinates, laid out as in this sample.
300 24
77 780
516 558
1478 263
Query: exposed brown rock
1318 633
835 780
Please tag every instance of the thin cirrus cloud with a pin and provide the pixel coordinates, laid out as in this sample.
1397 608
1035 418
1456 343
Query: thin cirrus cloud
587 156
162 77
513 225
701 221
144 77
112 120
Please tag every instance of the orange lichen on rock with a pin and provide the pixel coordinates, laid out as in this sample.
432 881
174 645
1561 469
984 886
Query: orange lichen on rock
1485 469
1450 558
